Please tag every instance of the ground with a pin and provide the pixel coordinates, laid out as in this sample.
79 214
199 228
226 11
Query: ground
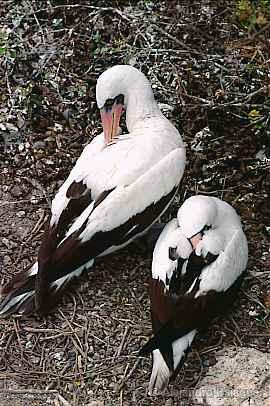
208 63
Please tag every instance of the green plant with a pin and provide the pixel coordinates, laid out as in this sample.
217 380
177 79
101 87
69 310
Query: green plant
5 47
252 12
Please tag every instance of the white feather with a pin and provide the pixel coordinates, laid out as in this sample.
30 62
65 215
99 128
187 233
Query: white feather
160 374
113 248
15 300
225 239
151 139
230 264
33 270
126 201
78 173
171 236
180 347
141 169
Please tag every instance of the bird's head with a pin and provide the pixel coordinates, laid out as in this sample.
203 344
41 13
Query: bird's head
114 89
197 215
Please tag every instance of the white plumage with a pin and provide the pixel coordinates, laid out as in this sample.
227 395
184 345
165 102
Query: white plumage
120 184
204 226
171 236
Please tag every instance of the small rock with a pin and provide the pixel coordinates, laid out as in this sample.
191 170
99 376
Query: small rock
28 344
91 303
58 355
253 313
35 360
39 145
6 260
16 191
8 243
90 350
238 378
20 213
70 387
34 200
95 403
49 162
58 127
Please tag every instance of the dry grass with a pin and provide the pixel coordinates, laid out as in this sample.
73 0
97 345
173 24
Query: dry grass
205 71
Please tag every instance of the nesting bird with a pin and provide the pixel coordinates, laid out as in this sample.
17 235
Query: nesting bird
197 266
118 189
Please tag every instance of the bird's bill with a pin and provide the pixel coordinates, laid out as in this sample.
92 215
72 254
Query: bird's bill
110 122
195 240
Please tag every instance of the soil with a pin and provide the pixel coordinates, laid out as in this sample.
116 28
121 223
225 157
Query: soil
209 68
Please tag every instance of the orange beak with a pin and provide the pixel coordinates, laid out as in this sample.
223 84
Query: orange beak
110 122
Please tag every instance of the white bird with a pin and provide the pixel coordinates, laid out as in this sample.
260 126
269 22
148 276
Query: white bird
119 187
197 267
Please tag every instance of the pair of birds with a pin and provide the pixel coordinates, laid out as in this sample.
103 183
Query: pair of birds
118 189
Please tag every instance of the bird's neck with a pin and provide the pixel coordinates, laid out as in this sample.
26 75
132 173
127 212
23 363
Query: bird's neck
141 107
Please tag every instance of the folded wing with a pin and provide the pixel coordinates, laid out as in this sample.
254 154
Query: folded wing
88 221
199 289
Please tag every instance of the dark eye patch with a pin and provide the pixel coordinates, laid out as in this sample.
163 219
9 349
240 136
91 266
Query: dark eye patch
110 102
202 231
206 228
119 99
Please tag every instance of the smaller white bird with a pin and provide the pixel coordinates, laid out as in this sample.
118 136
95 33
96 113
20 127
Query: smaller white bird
197 268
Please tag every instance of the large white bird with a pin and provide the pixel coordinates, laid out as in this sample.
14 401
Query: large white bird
197 267
119 187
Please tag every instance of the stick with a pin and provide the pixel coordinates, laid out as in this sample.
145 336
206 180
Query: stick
63 400
29 391
182 44
118 352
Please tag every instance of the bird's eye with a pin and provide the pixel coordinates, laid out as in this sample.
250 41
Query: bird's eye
206 228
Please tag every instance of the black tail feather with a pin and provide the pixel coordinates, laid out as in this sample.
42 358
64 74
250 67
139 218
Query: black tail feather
163 339
18 294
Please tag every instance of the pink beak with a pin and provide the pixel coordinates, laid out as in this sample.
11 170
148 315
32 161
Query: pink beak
195 240
110 122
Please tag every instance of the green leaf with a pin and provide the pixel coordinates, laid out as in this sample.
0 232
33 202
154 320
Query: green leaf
12 54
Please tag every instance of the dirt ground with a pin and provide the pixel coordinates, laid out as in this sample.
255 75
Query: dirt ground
208 63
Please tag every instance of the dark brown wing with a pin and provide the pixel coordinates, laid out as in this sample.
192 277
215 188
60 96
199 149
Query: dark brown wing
191 313
80 199
58 261
17 295
176 312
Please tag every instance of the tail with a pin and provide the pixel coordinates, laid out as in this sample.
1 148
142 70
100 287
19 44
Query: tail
49 293
19 295
167 361
163 338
